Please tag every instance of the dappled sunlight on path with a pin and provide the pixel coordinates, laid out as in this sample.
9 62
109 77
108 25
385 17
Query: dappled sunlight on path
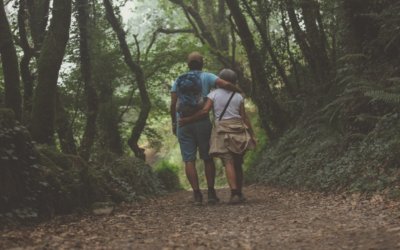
271 219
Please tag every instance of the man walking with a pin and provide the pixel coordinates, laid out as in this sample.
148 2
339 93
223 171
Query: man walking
187 97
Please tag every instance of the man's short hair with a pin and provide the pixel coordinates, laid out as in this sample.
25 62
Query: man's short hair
195 61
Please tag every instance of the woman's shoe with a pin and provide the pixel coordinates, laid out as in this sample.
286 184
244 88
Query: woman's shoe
235 199
242 198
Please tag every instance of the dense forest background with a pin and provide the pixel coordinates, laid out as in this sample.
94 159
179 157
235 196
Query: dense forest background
84 94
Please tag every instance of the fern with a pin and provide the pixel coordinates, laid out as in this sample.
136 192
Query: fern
381 95
352 57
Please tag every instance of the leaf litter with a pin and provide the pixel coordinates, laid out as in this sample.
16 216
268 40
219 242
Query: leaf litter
272 218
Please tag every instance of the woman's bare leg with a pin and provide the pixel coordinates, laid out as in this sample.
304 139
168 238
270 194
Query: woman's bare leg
238 162
231 175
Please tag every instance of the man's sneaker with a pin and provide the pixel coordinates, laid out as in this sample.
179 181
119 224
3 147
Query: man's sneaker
212 197
198 198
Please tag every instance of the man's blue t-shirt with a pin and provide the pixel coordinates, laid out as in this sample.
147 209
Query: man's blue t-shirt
207 81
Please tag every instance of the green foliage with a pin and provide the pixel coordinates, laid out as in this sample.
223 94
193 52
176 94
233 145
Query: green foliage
314 156
253 157
168 175
134 177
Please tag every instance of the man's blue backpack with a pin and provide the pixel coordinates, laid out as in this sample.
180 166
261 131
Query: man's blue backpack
189 91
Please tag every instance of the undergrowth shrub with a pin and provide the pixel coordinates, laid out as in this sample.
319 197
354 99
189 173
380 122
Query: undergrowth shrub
38 181
134 177
316 156
253 157
168 174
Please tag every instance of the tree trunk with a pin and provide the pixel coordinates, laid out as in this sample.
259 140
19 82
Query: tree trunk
269 109
64 128
299 34
313 43
289 50
355 24
109 134
86 71
316 39
50 60
223 29
26 74
140 78
10 65
38 18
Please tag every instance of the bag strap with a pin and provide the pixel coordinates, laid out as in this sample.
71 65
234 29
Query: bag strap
226 106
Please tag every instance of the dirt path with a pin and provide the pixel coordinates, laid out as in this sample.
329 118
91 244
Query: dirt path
271 219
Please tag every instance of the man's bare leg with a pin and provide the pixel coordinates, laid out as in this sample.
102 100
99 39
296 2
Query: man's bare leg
209 168
191 174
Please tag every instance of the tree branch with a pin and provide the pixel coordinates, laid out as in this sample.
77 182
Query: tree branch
174 31
135 36
165 31
136 69
267 43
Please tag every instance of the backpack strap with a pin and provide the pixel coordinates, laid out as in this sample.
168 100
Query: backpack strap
226 106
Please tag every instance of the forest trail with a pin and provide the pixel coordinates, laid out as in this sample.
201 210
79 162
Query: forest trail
271 219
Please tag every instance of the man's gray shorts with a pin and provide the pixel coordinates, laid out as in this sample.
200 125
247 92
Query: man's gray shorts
195 136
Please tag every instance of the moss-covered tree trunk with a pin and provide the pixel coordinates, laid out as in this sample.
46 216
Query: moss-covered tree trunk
86 71
140 79
9 61
269 109
50 60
